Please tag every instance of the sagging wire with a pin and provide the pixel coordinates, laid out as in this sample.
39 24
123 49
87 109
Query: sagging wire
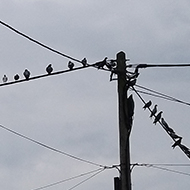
51 148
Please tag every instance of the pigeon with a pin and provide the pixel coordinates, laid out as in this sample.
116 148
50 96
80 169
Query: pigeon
177 143
101 64
5 78
174 136
184 148
26 74
157 118
147 105
84 62
49 69
16 77
70 65
166 126
153 112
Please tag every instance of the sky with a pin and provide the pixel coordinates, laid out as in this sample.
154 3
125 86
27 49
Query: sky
77 112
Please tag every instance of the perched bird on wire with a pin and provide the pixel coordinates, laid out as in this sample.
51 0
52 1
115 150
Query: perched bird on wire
147 105
166 126
153 112
174 136
26 74
177 143
184 148
101 64
16 77
157 117
5 78
84 62
70 65
49 69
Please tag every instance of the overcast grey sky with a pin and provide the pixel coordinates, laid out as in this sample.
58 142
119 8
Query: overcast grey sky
77 112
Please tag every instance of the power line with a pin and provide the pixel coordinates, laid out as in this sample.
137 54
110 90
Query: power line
51 148
168 130
66 180
87 179
146 65
161 95
39 43
163 168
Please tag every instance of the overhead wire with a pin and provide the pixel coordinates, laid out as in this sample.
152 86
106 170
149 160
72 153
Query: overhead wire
155 166
51 148
37 42
66 180
186 153
83 181
162 95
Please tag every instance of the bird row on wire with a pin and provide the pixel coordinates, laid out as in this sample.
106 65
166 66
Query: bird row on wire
158 118
49 70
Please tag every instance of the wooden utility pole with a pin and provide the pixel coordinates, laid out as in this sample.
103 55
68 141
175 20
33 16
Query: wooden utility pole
125 177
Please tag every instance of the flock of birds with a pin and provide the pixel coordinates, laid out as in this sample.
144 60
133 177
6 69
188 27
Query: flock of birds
158 118
49 70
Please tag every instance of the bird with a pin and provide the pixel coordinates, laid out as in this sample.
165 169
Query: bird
153 112
49 69
177 143
184 148
157 117
147 105
174 136
16 77
26 74
5 78
84 62
101 64
70 65
166 126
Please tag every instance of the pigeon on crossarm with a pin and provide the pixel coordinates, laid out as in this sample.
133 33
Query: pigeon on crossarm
153 112
177 143
157 117
147 105
26 74
5 78
101 64
70 65
16 77
49 69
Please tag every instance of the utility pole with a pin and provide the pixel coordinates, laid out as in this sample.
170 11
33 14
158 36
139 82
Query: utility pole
125 175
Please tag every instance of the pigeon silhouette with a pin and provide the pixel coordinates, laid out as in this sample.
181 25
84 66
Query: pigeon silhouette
177 143
157 117
26 74
70 65
174 136
147 105
84 62
166 126
16 77
5 78
153 112
49 69
101 64
184 148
